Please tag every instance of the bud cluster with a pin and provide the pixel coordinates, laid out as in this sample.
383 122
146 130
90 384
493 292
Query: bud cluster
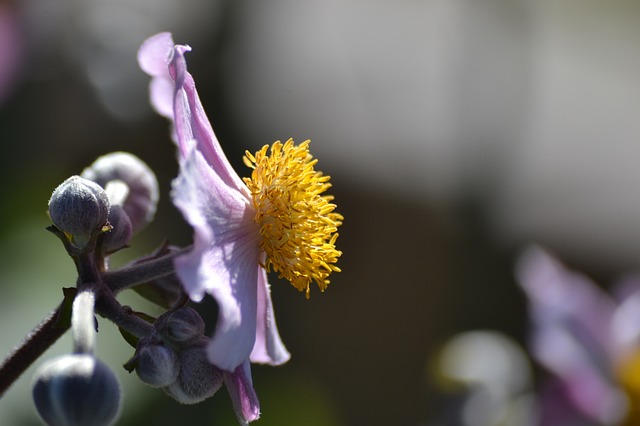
95 215
174 358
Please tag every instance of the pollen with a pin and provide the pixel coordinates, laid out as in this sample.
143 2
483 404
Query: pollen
298 225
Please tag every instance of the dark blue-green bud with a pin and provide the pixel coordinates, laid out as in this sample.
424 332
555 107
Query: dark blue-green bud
198 379
76 390
181 327
78 207
142 198
157 365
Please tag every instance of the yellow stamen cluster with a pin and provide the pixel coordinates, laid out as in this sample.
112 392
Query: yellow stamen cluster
297 224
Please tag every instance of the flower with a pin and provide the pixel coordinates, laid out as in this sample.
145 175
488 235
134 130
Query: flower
586 339
277 219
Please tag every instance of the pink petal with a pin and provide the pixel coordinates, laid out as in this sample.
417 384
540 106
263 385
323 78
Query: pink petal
269 348
155 53
557 294
243 396
191 123
224 258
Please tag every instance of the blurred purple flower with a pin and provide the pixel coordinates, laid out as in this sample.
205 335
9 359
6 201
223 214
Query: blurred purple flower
585 338
11 48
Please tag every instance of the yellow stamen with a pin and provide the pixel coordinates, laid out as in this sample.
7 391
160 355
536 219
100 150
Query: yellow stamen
297 224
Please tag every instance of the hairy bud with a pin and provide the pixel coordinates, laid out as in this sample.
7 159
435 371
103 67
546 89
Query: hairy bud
76 390
157 364
121 231
78 207
142 198
198 378
181 327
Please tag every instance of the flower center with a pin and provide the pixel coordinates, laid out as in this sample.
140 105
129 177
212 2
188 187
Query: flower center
297 224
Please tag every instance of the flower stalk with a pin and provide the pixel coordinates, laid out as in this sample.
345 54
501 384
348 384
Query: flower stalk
82 323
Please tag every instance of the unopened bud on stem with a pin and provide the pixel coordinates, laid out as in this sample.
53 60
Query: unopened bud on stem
78 207
181 327
120 233
141 200
198 379
76 390
156 364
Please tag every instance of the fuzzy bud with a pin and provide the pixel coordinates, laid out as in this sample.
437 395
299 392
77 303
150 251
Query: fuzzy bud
142 198
198 378
76 390
78 207
157 364
181 327
121 231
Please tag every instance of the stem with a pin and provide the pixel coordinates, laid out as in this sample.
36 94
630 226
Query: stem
87 267
34 344
83 257
82 323
140 273
108 307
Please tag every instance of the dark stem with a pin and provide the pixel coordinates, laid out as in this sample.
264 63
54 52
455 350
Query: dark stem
108 307
141 273
34 344
87 265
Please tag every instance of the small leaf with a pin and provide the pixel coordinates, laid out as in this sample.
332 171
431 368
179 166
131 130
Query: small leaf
64 316
129 338
130 365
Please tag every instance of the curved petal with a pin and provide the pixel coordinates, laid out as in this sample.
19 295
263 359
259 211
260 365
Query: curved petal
243 396
155 53
571 336
224 257
589 386
268 348
161 96
191 122
154 56
560 296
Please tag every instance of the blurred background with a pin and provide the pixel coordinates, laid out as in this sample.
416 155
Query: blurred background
456 133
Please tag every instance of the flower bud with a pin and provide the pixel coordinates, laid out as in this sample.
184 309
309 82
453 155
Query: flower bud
78 207
77 390
121 231
142 199
157 364
198 379
181 327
